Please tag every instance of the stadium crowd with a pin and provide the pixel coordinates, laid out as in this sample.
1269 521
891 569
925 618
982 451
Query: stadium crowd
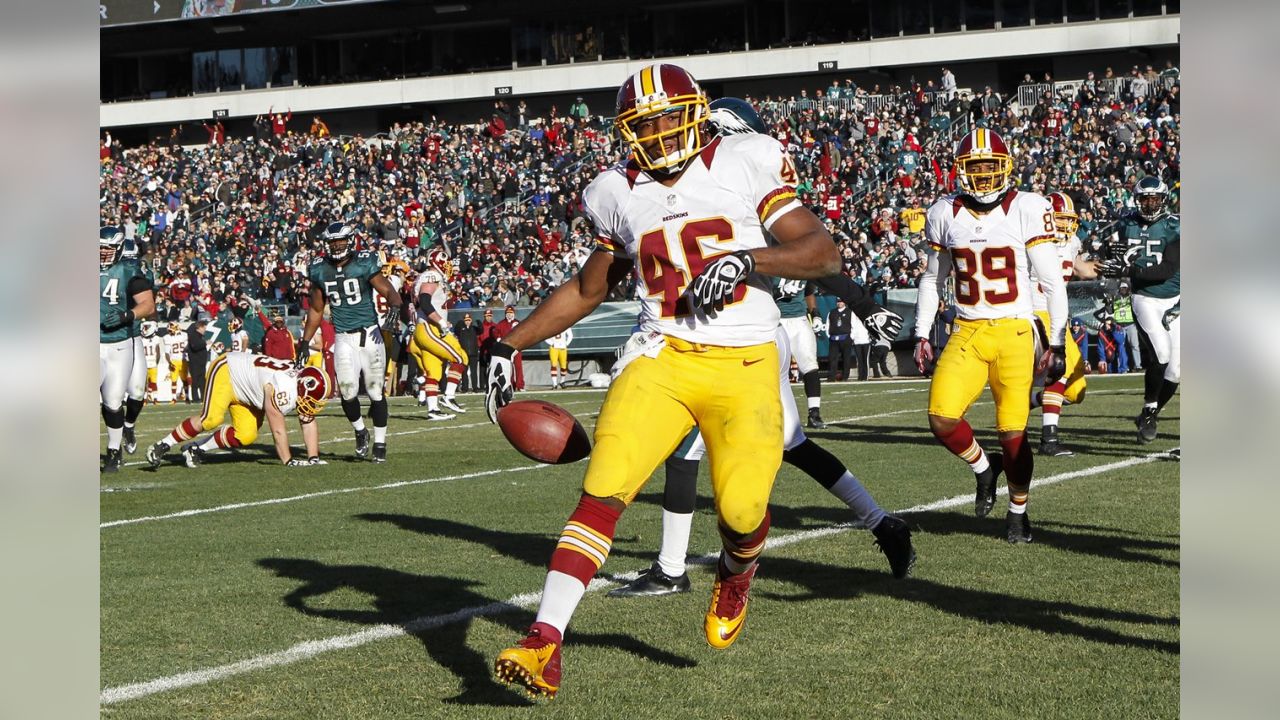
234 220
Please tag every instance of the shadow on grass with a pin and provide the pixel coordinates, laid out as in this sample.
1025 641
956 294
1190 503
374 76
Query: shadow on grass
1099 542
1055 617
438 612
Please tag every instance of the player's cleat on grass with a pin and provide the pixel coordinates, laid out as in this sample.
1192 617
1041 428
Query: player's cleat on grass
379 452
1176 454
984 498
157 451
193 454
112 463
362 443
130 440
437 415
1146 423
534 664
815 419
894 538
1017 528
1049 444
728 611
452 404
652 583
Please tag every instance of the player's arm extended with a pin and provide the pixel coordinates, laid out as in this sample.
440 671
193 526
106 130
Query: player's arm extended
853 294
1083 268
1046 262
571 301
805 250
275 421
310 435
314 313
937 267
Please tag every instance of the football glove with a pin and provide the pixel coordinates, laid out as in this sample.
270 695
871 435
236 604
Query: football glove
500 389
884 323
117 319
1113 268
1054 364
302 353
923 354
391 323
819 327
1171 314
717 282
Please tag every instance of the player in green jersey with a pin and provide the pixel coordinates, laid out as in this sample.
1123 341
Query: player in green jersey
124 295
136 396
1145 250
346 281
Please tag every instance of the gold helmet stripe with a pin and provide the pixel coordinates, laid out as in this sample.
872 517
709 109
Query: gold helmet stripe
646 81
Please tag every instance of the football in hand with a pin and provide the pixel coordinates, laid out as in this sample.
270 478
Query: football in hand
544 432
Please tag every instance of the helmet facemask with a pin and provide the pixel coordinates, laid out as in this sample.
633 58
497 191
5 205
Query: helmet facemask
1151 205
110 246
984 177
649 131
338 239
1067 224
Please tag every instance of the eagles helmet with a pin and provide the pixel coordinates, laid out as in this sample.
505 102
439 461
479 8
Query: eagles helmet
313 390
110 246
657 91
983 149
1152 196
735 116
1064 215
339 239
129 249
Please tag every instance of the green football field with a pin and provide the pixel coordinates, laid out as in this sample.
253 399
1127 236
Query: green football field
244 589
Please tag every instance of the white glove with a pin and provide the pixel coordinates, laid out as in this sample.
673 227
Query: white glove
819 327
716 284
500 391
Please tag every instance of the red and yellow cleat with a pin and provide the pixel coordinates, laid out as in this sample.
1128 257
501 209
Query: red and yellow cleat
728 608
534 664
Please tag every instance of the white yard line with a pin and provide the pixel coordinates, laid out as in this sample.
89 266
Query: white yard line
312 648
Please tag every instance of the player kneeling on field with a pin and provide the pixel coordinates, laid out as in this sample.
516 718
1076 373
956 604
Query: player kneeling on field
251 387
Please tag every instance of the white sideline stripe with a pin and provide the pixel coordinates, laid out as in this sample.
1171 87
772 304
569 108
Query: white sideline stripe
308 496
312 648
402 483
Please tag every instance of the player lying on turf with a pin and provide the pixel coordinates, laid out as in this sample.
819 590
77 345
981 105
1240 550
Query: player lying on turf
251 387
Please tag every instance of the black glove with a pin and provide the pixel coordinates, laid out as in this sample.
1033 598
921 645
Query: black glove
885 324
391 323
1171 314
500 389
117 319
1057 366
1113 268
715 285
303 352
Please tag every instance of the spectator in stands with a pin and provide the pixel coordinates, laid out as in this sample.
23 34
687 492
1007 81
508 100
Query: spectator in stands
948 85
578 110
279 342
318 128
217 133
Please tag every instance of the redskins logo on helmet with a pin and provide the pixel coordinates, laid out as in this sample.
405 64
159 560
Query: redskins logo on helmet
658 91
983 166
313 390
339 239
173 328
438 260
148 328
1064 215
235 324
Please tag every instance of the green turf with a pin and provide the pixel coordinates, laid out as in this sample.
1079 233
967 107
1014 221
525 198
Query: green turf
1082 623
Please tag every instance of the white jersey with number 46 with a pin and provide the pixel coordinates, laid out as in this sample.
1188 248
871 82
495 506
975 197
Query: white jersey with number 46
672 233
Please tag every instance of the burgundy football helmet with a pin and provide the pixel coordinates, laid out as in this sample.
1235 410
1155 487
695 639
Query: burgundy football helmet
988 184
658 90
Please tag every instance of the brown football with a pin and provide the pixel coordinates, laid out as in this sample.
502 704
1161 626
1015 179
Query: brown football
544 432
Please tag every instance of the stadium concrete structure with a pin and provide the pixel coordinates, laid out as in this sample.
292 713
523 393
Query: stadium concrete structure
364 64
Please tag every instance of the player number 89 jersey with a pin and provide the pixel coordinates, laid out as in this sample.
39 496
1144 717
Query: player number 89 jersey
989 252
672 233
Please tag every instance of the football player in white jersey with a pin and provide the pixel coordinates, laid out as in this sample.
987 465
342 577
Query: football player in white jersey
239 336
251 387
558 354
153 351
444 359
1069 388
689 213
396 271
175 349
989 236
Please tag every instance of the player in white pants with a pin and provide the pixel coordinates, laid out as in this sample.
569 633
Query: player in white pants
668 576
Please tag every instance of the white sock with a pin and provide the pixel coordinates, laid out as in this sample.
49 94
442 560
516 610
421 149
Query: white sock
675 542
210 443
450 388
1149 406
815 402
980 465
380 434
560 597
1051 419
1017 509
128 424
114 437
867 514
433 403
358 424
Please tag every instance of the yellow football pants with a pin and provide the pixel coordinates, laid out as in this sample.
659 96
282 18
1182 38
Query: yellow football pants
220 399
559 357
178 372
316 359
439 350
998 352
730 393
1075 367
